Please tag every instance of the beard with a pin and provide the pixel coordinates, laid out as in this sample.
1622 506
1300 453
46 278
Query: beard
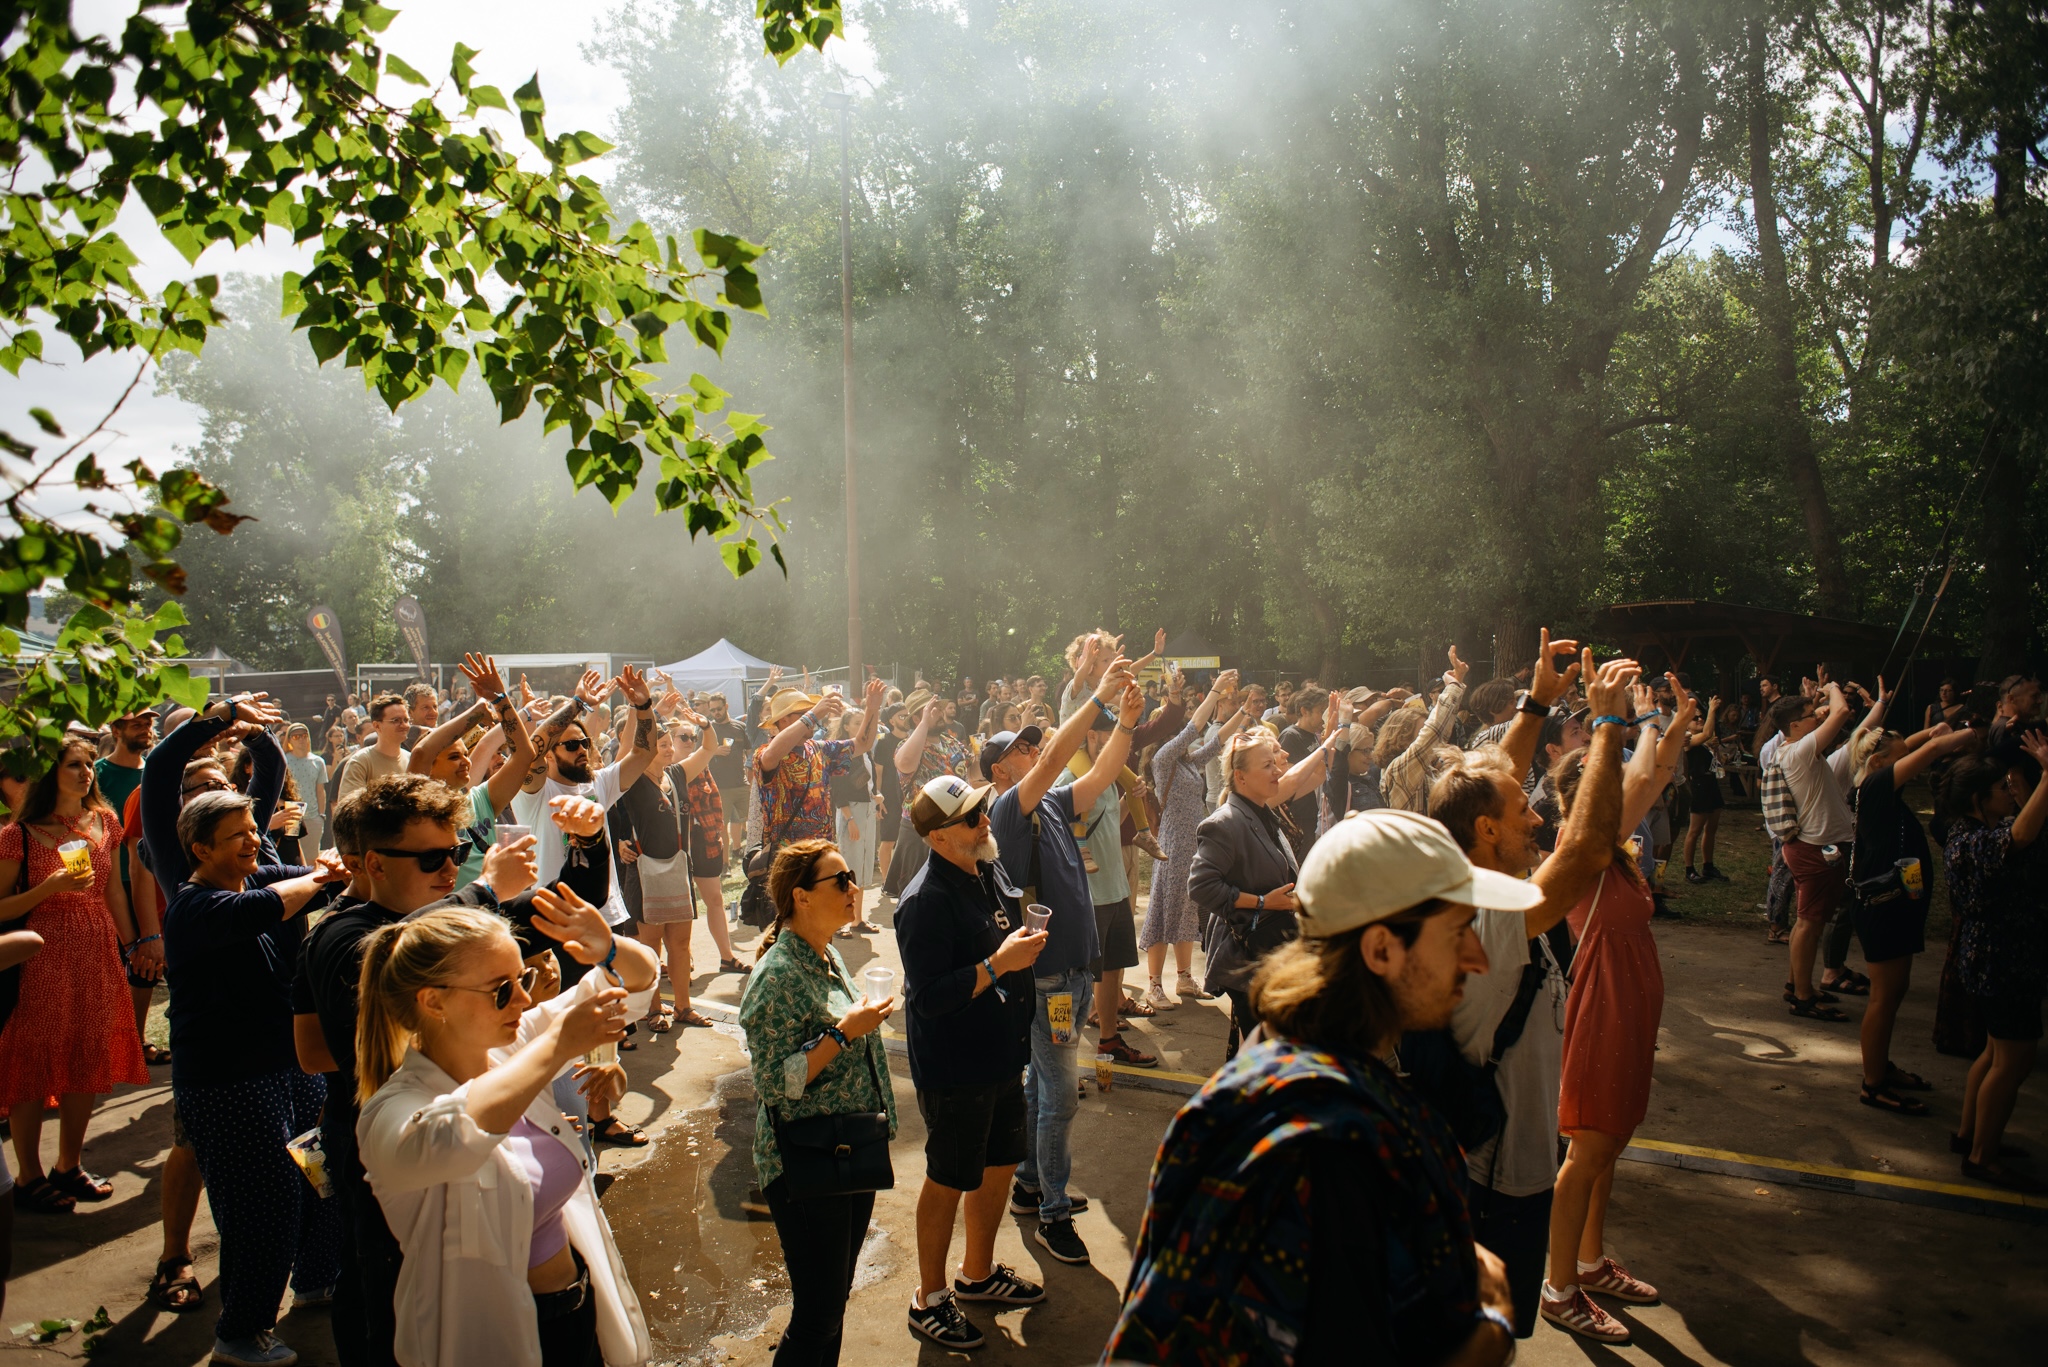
986 851
1425 1004
572 773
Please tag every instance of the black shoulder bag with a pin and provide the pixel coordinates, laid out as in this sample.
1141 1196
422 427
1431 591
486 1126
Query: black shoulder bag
1463 1093
837 1155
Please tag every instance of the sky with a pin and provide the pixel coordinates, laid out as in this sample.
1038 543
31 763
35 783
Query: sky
516 39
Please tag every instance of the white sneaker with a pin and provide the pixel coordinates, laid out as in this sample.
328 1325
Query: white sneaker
1158 1000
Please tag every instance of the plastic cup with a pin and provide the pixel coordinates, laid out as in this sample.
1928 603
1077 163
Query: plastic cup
1909 874
507 832
77 857
1035 916
880 980
1105 1072
604 1056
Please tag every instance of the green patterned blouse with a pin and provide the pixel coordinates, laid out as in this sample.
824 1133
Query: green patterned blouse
792 995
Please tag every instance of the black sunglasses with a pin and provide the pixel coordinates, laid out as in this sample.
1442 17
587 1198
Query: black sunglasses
844 878
501 995
430 860
218 785
574 747
973 818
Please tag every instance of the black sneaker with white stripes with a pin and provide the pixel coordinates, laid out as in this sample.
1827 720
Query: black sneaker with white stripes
1024 1200
1001 1285
944 1322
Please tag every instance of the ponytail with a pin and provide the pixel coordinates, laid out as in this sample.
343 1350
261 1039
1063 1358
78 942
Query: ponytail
399 960
792 866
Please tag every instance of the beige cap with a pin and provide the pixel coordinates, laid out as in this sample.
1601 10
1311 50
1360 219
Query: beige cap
1378 864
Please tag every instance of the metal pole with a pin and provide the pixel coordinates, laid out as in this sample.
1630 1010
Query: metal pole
854 678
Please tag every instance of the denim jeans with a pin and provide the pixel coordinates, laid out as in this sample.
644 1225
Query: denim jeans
1051 1094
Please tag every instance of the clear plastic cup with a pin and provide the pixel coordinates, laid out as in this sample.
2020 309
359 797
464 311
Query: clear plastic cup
1105 1072
1035 916
77 857
880 981
507 832
604 1056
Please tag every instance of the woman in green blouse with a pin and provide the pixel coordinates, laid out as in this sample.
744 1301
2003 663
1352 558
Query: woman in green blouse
815 1051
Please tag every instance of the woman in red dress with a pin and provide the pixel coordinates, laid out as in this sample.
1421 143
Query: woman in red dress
72 1034
1610 1041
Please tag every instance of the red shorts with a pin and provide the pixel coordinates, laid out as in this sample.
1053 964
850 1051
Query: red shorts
1819 885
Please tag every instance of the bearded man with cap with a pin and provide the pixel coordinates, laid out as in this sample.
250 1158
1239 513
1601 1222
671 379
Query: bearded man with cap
796 769
1033 825
1306 1206
967 960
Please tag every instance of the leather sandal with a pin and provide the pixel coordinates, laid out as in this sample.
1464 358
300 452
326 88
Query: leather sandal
1814 1009
1883 1098
174 1288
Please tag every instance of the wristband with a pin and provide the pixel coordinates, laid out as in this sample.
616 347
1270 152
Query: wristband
1260 904
838 1035
995 981
1599 722
610 955
145 939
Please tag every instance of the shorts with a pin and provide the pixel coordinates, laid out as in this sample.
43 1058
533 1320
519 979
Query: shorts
1116 931
707 850
971 1128
1892 930
2016 1016
1818 884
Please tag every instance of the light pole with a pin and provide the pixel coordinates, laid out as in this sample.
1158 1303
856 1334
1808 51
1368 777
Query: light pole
843 102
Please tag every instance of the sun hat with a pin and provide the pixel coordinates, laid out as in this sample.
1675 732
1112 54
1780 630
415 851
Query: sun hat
788 702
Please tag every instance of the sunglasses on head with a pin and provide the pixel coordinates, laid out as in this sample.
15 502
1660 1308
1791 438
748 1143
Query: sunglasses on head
574 747
430 861
501 995
844 878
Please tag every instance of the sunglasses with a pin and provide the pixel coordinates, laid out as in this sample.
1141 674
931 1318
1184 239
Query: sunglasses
574 747
218 785
430 861
844 878
973 818
501 995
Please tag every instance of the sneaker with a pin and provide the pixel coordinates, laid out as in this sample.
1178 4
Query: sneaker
1579 1315
1612 1279
1156 998
314 1299
1001 1285
263 1349
944 1323
1059 1239
1187 987
1025 1201
1694 876
1128 1055
1710 871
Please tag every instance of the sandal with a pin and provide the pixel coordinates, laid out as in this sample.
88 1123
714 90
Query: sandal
176 1293
1135 1008
1895 1076
155 1055
614 1131
662 1019
81 1185
1778 937
1959 1144
40 1197
733 966
1820 994
693 1017
1850 985
1883 1098
1814 1009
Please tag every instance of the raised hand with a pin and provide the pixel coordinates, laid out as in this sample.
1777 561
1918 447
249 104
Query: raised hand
634 685
511 867
572 923
526 698
2035 743
1456 673
1688 704
1546 683
1644 699
1333 715
871 696
577 816
1225 685
1130 708
832 705
592 688
1607 687
482 673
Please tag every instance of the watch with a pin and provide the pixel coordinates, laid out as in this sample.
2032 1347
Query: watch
1532 707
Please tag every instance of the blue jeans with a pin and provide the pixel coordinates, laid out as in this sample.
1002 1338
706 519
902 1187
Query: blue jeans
1051 1094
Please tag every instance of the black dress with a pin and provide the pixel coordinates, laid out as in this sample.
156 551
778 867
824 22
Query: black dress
1699 774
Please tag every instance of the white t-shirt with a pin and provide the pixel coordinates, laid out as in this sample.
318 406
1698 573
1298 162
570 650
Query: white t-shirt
551 847
1819 784
1770 750
1522 1159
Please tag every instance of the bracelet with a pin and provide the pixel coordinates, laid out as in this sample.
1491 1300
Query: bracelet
1260 904
995 980
1599 722
610 955
838 1035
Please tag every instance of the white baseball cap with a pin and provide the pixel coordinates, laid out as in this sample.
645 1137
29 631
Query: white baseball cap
1378 864
944 800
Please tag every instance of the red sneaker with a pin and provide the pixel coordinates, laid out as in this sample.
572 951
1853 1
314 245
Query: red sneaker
1612 1279
1579 1315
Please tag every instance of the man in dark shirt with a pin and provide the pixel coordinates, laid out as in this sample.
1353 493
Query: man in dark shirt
1299 740
396 835
966 977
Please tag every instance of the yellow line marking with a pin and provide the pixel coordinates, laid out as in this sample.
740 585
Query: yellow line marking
1883 1179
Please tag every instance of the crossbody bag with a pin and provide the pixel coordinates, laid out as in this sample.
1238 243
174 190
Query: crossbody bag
837 1155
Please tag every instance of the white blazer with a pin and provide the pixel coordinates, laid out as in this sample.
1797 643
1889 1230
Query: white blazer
462 1209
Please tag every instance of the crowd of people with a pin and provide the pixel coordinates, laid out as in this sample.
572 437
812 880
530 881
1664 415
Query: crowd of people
400 968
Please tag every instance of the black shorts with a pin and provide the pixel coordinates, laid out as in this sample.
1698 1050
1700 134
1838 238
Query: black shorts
707 851
2016 1016
970 1128
1116 931
1891 930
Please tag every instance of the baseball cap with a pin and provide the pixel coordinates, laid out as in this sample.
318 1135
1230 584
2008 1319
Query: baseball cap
943 799
998 745
1378 864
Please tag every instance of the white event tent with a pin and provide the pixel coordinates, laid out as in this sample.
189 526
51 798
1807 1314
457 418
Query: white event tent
721 668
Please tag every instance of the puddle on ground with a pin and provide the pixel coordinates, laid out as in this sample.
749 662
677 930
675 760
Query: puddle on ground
695 1232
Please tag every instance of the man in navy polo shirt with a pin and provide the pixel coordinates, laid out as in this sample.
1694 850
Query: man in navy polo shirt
1033 823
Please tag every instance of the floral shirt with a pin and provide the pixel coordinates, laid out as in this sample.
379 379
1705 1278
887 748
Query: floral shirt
796 800
942 755
2001 922
792 995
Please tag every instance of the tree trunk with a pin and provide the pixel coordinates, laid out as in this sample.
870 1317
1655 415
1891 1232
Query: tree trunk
2007 628
1514 643
1796 448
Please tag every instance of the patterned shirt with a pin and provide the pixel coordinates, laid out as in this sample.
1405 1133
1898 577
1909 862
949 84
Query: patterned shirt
941 755
796 799
2002 929
1304 1205
1405 782
792 995
707 806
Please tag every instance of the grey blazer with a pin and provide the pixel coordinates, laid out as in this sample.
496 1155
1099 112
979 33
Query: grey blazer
1238 849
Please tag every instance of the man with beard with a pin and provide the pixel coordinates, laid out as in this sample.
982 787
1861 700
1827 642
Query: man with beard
967 980
1306 1206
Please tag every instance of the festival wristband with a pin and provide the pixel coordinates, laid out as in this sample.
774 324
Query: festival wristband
610 955
1599 722
995 981
838 1035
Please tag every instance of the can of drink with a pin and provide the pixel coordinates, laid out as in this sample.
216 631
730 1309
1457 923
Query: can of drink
77 857
1909 874
1105 1072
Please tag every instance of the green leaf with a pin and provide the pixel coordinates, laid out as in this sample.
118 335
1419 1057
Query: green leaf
460 70
45 421
396 66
